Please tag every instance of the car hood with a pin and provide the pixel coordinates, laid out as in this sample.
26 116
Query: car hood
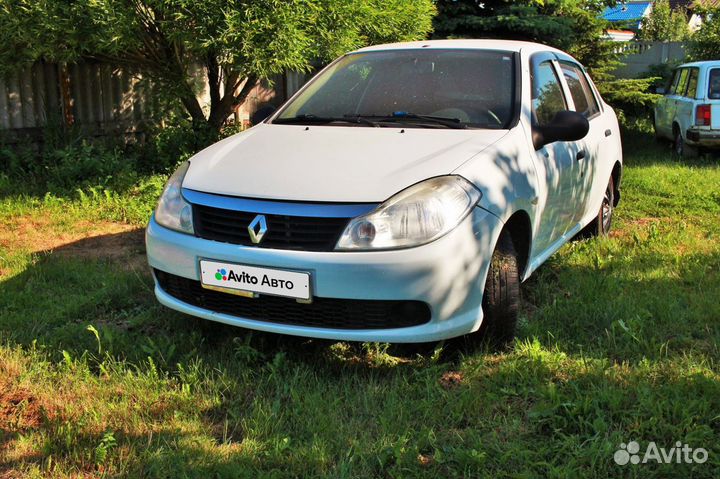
331 163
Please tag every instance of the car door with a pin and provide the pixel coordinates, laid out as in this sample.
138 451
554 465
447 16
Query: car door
661 119
671 101
555 162
685 102
594 147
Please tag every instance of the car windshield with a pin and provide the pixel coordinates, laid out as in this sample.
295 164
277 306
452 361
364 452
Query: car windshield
423 88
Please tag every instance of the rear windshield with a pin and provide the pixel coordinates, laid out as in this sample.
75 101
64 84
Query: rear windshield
473 87
714 84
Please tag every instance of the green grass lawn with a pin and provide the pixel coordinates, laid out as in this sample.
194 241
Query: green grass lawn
618 341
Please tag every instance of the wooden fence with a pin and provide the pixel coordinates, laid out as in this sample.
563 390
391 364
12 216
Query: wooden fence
100 99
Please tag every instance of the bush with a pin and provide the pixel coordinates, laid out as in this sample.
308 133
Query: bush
168 146
66 168
65 164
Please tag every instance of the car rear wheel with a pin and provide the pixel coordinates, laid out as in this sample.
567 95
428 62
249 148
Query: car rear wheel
602 222
501 298
681 148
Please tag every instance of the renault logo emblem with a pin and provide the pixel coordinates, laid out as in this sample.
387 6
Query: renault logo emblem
257 229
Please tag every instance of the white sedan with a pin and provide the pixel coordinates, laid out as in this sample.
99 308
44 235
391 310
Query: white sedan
402 195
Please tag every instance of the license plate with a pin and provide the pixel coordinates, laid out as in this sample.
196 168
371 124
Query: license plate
239 278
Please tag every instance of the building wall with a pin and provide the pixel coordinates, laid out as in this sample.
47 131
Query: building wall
639 56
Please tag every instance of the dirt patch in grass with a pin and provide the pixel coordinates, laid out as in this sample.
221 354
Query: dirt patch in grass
20 410
451 379
105 240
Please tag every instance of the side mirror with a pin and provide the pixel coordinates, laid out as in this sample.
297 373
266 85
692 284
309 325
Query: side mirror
660 90
261 114
565 126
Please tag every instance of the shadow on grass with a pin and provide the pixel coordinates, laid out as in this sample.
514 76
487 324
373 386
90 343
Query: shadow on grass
642 149
617 310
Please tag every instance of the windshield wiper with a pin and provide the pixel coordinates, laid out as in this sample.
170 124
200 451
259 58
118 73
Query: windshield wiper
320 120
404 116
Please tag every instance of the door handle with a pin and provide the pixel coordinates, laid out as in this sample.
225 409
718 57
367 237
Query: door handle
580 155
608 133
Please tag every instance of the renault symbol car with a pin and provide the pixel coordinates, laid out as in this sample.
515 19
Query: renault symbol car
402 195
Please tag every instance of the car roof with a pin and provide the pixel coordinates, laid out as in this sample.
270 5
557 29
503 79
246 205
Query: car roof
712 63
504 45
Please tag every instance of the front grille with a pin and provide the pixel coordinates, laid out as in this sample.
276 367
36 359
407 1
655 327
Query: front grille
322 312
283 232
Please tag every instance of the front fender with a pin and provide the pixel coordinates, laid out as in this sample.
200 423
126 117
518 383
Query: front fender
505 175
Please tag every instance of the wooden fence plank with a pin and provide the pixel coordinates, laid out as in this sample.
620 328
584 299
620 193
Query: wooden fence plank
4 111
14 102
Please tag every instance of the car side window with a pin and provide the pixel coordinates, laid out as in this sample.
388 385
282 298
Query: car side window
682 83
547 94
580 90
673 83
714 84
692 83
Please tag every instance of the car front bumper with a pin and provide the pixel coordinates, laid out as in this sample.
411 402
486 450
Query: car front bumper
447 274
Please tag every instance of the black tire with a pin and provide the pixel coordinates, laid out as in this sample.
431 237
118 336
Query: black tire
681 148
501 298
602 223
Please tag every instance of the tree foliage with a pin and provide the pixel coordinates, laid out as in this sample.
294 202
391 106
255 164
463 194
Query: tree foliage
574 26
571 25
664 24
236 42
705 43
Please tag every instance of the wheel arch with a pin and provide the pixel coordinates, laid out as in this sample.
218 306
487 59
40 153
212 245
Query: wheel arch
617 177
520 229
676 128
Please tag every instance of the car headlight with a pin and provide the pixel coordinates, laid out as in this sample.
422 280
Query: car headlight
415 216
172 210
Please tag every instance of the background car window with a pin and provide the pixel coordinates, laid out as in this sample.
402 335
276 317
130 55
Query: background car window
476 87
580 90
547 95
673 83
714 84
682 83
692 83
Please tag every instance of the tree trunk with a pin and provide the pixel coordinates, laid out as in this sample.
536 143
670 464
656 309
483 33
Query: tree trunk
223 107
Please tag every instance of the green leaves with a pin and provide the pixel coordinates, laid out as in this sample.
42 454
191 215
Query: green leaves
664 24
705 44
167 40
570 25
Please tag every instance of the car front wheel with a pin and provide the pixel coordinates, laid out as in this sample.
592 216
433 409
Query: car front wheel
501 298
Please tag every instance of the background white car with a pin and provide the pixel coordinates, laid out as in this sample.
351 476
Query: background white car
400 196
689 111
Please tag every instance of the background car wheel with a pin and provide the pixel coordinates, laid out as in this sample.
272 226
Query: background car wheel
601 224
502 293
682 149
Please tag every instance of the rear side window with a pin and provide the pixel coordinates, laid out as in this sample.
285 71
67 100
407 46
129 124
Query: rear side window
580 91
682 83
547 95
692 83
674 82
714 84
